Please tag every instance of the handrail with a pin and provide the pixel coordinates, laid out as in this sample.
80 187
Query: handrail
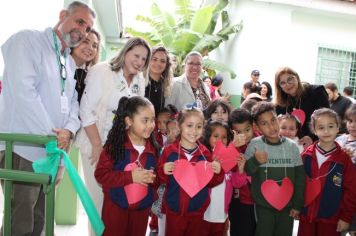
10 175
26 138
24 176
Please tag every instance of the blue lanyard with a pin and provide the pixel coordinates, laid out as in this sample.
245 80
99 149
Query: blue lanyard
60 66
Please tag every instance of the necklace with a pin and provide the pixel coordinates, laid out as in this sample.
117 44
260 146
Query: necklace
156 87
284 158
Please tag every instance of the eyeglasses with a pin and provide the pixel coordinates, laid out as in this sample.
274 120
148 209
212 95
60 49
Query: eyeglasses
290 80
63 70
256 74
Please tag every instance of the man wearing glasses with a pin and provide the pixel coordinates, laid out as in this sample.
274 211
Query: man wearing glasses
39 97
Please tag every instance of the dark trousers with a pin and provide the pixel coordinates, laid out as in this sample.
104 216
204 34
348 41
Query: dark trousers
271 222
242 218
27 201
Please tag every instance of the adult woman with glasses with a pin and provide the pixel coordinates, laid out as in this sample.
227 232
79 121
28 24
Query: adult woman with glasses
189 88
291 94
107 82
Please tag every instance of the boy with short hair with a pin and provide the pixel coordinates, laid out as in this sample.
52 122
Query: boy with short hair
276 159
241 209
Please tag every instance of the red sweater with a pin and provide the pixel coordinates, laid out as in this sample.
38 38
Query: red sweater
175 198
112 177
337 199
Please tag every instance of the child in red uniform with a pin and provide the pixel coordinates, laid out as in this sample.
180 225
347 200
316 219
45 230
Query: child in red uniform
130 143
331 211
184 214
163 118
215 217
241 210
161 137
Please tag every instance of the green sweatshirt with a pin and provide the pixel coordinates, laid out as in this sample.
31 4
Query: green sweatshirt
283 161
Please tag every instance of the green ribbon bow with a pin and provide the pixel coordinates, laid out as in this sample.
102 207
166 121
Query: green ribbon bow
49 165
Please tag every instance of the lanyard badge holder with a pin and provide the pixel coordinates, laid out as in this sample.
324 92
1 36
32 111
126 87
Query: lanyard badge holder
61 60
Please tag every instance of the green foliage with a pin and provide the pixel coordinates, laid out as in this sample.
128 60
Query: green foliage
190 30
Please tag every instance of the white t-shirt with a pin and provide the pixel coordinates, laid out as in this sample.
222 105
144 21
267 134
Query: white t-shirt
216 211
139 148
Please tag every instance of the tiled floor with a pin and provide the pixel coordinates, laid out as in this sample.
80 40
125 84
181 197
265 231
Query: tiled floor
81 228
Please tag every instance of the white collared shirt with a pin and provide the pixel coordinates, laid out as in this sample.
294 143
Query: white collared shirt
30 102
95 92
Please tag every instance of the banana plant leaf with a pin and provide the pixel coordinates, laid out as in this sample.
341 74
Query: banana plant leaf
214 65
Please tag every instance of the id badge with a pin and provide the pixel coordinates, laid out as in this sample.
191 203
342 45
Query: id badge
64 104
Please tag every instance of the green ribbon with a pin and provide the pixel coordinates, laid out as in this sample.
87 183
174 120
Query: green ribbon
49 165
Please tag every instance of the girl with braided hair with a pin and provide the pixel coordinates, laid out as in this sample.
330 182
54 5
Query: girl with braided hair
126 168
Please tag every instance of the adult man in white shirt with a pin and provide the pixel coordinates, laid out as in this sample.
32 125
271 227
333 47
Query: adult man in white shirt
39 97
348 91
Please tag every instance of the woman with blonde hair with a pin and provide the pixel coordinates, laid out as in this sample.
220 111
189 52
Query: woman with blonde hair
107 82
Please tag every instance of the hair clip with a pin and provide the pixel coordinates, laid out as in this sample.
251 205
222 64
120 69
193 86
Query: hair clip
174 116
190 106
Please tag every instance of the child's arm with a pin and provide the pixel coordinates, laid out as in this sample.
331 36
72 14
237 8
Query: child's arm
348 203
257 158
240 178
164 168
114 178
109 178
299 182
219 174
239 139
342 226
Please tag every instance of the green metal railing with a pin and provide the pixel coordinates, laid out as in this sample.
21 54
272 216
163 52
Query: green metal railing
9 175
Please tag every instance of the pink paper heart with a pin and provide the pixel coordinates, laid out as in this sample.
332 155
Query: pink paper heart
312 190
300 114
192 178
277 196
134 192
226 155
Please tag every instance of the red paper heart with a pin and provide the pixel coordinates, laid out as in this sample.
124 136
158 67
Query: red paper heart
312 190
277 196
226 155
300 114
192 178
134 192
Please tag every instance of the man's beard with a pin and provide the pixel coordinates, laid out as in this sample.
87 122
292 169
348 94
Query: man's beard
70 39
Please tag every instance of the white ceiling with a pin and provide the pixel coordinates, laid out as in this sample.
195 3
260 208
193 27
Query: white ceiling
110 17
